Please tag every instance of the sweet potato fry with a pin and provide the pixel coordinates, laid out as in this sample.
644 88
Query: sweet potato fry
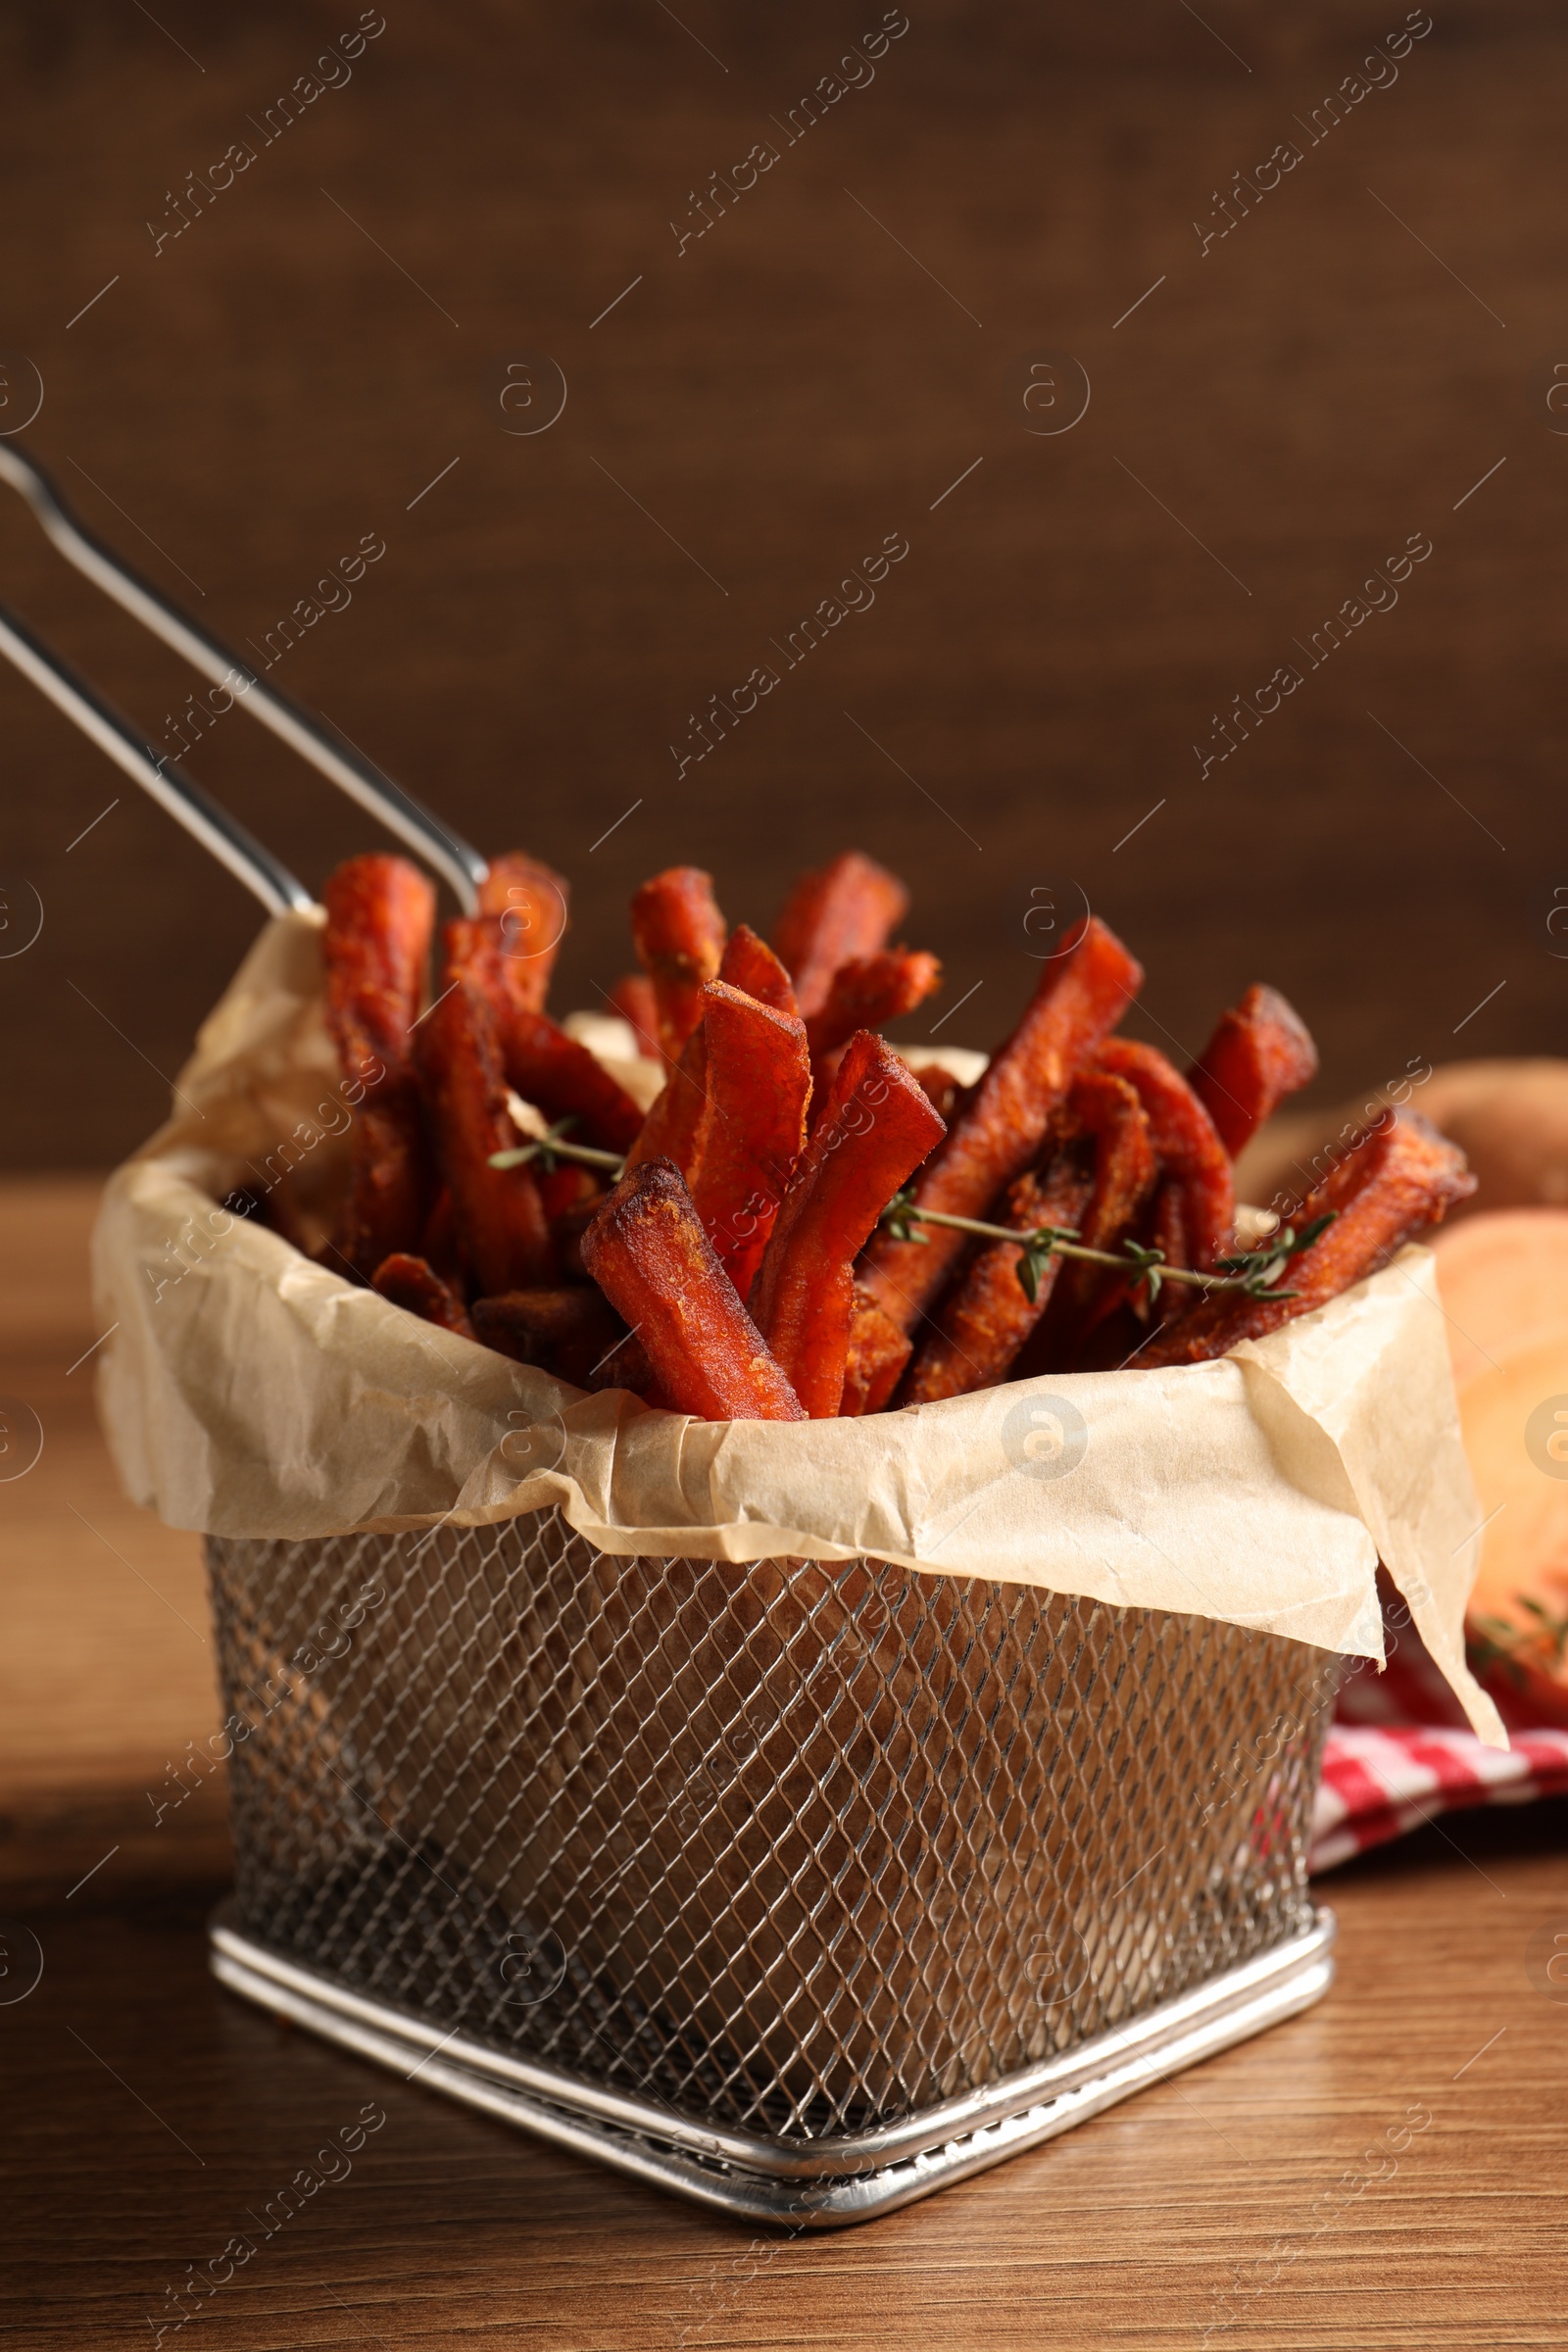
390 1182
1121 1329
877 1127
680 939
568 1229
1401 1176
1191 1213
1168 1233
649 1254
410 1281
868 992
625 1365
563 1190
543 1064
439 1246
566 1330
1260 1052
748 963
1081 996
1107 1109
632 996
499 1213
877 1353
562 1078
530 900
1187 1144
673 1127
471 950
844 910
380 915
678 1125
944 1090
987 1315
758 1083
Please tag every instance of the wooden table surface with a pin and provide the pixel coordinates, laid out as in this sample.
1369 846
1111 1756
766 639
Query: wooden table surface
148 2113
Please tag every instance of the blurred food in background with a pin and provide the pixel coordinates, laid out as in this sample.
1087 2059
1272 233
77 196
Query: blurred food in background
1502 1269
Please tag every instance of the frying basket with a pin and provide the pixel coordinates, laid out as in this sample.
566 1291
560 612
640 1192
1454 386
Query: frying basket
799 1889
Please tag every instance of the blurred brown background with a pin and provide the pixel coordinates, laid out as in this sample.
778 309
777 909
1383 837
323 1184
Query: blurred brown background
1277 416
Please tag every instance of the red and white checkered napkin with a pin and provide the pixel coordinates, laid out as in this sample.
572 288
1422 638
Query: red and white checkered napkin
1399 1753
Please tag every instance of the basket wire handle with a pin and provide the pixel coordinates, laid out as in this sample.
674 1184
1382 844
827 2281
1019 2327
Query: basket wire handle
224 835
458 863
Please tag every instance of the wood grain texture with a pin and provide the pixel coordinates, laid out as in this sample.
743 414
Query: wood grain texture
754 417
150 2116
106 1668
144 2145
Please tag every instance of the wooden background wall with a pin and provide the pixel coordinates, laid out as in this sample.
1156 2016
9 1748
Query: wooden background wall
1287 407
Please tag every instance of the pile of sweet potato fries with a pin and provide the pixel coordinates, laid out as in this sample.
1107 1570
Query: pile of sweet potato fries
803 1225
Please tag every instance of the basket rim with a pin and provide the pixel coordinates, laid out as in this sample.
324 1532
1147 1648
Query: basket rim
249 1966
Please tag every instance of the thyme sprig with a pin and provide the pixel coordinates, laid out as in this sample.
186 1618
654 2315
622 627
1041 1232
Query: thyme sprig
1268 1262
550 1149
1255 1273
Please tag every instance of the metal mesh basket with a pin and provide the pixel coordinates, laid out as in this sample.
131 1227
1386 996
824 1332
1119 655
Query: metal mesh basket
797 1888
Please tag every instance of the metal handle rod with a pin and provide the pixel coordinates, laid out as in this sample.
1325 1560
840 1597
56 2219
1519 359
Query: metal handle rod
452 857
217 831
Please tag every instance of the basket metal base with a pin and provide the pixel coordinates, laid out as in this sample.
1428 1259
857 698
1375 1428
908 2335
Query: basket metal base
813 2185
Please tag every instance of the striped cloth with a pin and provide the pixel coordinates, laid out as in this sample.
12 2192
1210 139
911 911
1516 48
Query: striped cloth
1399 1753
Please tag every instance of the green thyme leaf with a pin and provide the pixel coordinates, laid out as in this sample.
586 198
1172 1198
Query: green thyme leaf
1266 1265
1151 1263
897 1218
